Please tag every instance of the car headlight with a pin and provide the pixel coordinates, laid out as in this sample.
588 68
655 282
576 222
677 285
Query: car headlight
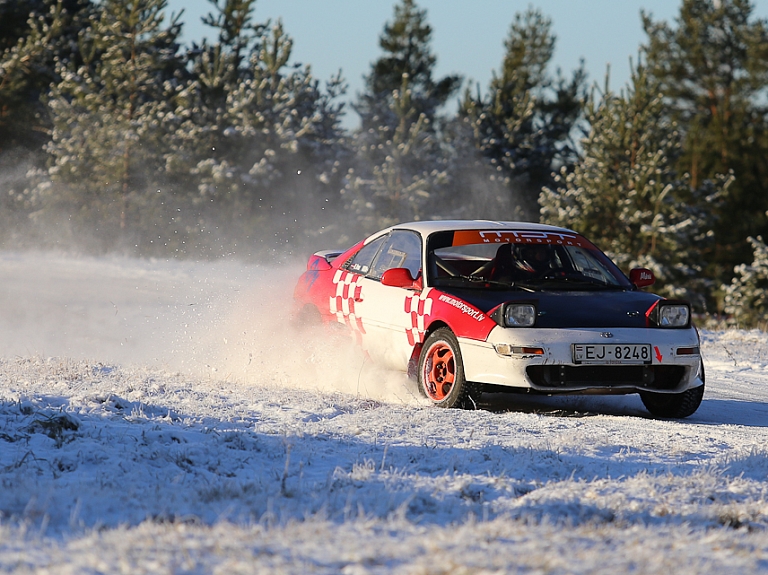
519 315
670 314
674 315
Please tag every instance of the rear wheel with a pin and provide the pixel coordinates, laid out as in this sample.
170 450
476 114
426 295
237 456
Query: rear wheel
441 372
307 316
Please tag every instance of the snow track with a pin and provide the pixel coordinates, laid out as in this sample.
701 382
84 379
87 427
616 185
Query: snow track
238 454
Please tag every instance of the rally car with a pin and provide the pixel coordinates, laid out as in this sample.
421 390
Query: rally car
471 306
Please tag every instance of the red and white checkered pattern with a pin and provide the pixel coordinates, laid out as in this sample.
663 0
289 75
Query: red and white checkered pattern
418 307
343 303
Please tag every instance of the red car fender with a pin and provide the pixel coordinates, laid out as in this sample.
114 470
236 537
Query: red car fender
432 306
462 318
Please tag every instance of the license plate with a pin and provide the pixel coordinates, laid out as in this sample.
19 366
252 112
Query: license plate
628 353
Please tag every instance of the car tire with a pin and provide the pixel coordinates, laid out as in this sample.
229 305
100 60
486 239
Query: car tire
441 372
673 405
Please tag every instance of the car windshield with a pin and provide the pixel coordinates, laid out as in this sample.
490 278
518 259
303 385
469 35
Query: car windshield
520 260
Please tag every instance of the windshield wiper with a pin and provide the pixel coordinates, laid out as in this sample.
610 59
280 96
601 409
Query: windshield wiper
578 279
507 285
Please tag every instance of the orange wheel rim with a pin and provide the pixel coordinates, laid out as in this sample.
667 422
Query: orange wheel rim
439 371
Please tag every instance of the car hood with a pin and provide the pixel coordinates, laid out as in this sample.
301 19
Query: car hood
558 309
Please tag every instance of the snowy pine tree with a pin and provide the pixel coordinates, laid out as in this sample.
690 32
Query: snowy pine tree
34 34
286 125
523 128
746 298
713 67
406 182
401 171
259 137
199 146
627 196
407 55
109 113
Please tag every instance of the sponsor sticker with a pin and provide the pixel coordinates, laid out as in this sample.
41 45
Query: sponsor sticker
468 237
464 308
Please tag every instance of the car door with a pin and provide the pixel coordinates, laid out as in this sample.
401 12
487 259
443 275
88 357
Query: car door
347 301
387 322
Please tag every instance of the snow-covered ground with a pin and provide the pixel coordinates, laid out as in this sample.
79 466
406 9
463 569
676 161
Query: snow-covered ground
159 417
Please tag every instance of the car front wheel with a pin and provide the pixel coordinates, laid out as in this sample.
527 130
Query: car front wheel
441 372
673 405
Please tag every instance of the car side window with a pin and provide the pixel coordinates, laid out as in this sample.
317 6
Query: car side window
402 249
360 263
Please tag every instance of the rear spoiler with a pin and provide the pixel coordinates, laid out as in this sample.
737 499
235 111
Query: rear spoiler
329 255
322 260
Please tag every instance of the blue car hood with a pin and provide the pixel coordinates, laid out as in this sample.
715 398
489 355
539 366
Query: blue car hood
569 309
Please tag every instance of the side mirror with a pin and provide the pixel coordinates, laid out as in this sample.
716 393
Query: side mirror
399 277
642 277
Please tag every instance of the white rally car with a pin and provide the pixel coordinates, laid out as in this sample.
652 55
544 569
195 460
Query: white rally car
468 306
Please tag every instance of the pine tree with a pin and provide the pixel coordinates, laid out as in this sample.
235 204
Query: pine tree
258 137
713 69
14 20
34 34
401 172
24 35
411 177
109 113
407 55
746 298
627 196
285 124
523 128
201 145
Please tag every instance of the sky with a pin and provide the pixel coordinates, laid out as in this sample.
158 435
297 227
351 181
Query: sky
467 37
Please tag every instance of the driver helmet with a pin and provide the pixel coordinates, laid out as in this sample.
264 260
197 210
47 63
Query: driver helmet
535 258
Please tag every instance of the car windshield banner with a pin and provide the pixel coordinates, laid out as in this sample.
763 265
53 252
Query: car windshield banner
468 237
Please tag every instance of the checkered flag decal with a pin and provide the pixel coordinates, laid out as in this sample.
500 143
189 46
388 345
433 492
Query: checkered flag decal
343 303
418 307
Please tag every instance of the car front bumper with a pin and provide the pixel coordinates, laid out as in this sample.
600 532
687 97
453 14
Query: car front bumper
543 360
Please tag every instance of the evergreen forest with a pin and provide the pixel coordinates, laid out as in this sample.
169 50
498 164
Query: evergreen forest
116 137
